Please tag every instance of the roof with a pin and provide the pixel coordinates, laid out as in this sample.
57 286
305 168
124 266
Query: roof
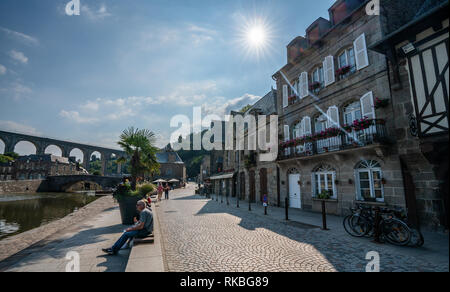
45 157
266 105
429 9
163 157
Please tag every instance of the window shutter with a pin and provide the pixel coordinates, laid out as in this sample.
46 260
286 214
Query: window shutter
361 57
307 121
285 96
333 117
286 133
328 68
304 85
367 106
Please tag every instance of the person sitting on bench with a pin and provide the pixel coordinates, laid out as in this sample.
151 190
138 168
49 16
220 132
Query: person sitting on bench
142 229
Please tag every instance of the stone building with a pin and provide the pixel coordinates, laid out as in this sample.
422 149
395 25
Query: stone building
416 43
205 169
171 166
6 171
37 167
335 116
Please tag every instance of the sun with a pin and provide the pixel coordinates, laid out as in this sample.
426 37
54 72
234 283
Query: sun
256 36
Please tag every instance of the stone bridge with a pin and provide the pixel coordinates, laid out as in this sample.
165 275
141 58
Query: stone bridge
40 143
64 182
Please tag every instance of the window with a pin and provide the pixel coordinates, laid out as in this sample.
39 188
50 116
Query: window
317 79
347 58
321 123
369 181
352 112
324 179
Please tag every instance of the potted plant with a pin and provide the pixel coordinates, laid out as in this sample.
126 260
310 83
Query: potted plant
325 195
139 146
343 70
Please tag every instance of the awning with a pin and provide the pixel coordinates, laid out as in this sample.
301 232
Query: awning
174 181
222 176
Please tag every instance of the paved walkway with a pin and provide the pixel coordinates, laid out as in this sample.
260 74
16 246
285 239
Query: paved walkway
86 239
201 235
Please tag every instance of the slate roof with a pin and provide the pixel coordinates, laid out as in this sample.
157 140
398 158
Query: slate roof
163 157
266 105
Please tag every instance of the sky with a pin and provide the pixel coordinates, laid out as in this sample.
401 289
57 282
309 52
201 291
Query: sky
137 62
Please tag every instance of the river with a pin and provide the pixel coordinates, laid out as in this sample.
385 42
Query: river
23 212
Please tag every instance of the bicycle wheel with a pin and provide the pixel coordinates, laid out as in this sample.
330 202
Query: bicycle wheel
396 232
417 238
356 225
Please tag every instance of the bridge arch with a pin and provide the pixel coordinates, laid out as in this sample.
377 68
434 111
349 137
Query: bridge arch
2 146
54 150
24 147
78 154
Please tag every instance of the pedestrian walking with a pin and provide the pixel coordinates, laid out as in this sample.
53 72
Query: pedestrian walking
166 192
160 191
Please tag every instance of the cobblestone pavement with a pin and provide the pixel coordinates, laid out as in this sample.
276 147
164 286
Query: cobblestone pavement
201 235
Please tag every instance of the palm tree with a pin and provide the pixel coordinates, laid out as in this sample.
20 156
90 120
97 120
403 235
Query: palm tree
139 145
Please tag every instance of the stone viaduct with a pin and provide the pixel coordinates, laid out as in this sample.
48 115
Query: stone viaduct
40 143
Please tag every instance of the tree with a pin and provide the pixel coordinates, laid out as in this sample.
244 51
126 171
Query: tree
139 145
245 108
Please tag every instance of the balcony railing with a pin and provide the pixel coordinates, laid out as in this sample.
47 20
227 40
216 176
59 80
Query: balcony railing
373 133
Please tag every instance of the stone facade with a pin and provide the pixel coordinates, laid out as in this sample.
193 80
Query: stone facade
38 167
171 166
22 187
424 156
335 164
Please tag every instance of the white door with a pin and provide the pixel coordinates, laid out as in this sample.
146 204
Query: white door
294 191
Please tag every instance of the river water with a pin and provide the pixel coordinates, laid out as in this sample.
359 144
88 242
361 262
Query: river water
23 212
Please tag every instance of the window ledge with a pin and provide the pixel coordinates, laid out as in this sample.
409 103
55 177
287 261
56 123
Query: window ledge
371 203
328 201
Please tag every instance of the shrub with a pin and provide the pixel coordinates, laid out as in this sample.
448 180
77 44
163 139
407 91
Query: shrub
146 189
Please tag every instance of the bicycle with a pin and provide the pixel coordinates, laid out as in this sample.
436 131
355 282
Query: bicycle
363 223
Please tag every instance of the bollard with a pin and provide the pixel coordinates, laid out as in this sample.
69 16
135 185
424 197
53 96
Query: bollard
286 206
324 216
377 231
237 202
228 201
249 205
221 198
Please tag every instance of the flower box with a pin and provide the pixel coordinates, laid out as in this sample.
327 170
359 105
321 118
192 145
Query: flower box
343 70
381 103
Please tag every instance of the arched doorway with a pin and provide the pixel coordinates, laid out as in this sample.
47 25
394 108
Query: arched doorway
53 150
252 190
24 148
263 184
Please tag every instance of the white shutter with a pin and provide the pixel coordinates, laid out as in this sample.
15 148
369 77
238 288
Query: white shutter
361 57
286 133
367 106
307 121
304 85
333 117
285 96
328 70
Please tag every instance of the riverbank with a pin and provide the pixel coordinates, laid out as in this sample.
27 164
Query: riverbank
16 246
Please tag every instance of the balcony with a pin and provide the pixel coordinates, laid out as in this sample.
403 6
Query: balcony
361 134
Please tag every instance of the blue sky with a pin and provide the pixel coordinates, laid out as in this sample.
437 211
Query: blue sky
136 62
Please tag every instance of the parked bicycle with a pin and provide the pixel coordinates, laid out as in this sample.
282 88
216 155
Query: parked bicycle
392 225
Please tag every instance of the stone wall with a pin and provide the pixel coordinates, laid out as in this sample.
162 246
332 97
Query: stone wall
23 186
